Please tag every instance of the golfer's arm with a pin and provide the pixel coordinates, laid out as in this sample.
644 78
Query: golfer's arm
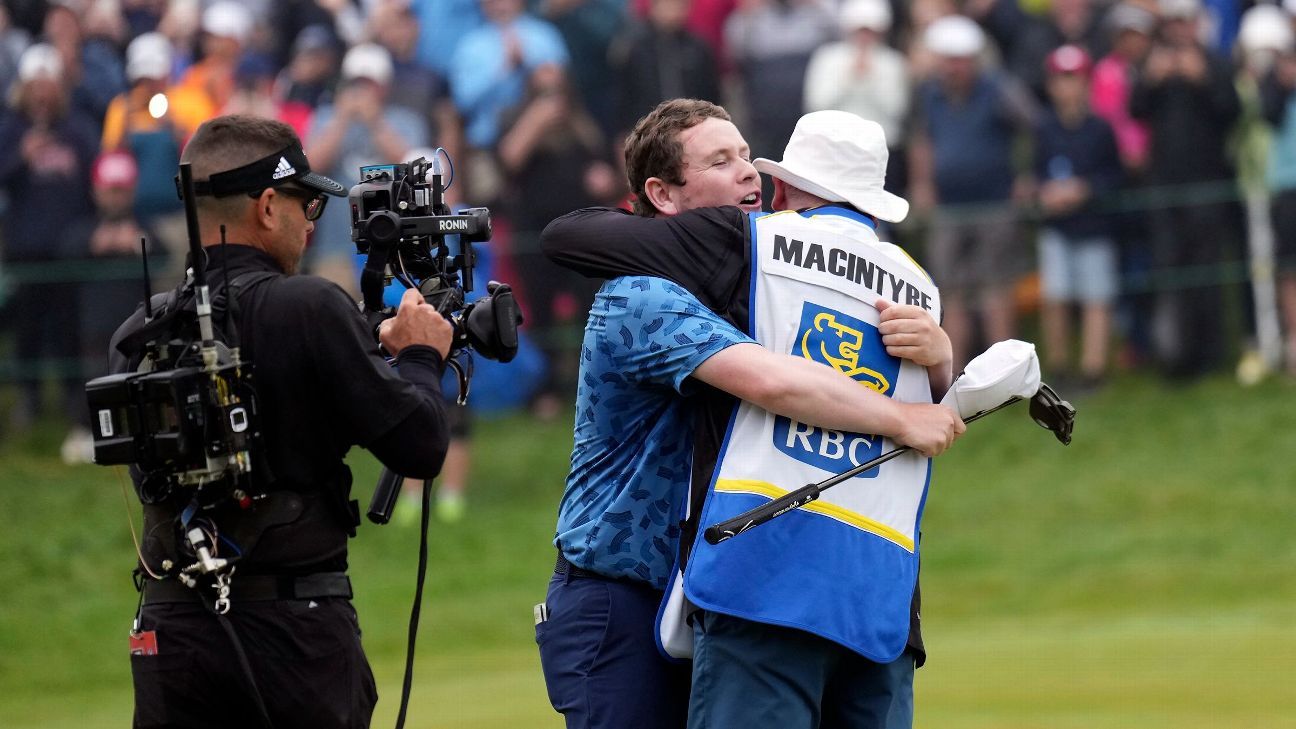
800 389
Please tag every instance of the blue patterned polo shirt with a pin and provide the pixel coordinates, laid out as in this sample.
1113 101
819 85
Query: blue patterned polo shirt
630 462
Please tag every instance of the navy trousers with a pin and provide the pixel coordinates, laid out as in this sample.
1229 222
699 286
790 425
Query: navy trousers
748 674
600 659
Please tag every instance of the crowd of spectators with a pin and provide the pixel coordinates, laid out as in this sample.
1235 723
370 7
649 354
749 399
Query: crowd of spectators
1094 147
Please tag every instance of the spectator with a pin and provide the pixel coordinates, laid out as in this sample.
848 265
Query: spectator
142 16
1025 40
46 149
109 243
444 23
208 84
360 128
922 13
555 159
415 86
1277 85
1131 27
141 122
311 73
705 19
92 64
660 59
13 41
1186 96
588 28
771 41
1077 165
254 95
342 20
492 66
961 153
864 76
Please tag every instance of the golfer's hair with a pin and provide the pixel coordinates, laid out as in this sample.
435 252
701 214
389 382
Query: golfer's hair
229 142
653 148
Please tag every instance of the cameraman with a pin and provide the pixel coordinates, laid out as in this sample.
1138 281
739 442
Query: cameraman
288 652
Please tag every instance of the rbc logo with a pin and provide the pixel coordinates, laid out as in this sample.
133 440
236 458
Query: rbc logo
855 349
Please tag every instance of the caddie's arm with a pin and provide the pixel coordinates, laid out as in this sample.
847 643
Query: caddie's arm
909 332
816 394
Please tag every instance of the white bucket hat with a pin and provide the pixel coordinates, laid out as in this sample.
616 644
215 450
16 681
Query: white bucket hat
839 157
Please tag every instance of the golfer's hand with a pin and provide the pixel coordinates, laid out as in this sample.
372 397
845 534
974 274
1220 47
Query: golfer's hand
909 332
416 322
929 429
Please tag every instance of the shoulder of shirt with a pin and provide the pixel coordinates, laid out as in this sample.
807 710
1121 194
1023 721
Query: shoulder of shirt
311 294
648 288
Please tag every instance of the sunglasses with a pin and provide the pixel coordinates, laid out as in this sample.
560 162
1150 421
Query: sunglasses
312 202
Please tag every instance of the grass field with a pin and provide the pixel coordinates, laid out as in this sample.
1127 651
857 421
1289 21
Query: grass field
1144 577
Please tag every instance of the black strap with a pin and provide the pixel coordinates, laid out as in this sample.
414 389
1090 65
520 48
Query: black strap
171 305
408 682
254 588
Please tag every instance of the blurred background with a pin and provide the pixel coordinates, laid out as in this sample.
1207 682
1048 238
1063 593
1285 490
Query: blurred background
1114 181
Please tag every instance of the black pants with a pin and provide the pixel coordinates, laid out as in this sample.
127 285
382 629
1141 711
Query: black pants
305 655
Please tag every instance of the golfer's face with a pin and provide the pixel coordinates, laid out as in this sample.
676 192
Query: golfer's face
717 169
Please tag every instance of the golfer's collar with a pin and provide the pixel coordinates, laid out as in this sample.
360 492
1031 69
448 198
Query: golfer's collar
840 211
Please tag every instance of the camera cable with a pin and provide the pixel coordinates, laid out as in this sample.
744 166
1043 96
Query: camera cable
416 610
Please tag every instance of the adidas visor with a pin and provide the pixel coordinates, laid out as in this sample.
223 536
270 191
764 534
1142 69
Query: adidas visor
287 165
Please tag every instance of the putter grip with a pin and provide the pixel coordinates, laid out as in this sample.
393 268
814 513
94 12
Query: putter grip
717 533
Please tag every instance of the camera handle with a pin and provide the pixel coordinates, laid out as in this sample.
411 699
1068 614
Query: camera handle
384 498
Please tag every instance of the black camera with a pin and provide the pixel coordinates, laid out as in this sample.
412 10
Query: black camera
400 221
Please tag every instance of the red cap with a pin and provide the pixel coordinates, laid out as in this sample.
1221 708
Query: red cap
1068 59
114 169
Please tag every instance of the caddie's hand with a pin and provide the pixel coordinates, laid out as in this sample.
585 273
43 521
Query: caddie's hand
416 322
929 429
909 332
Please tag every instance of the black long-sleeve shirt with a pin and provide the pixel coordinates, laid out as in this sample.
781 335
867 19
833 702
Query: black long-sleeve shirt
322 387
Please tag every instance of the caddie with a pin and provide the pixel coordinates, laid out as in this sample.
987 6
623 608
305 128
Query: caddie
803 622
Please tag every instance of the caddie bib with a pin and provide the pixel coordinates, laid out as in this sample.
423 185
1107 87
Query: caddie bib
844 566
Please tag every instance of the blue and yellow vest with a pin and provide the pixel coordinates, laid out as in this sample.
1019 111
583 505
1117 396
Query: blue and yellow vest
844 566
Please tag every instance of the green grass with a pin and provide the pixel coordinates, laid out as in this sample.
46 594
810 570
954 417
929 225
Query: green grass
1143 577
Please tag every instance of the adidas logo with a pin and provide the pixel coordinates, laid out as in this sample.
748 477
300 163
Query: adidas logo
283 169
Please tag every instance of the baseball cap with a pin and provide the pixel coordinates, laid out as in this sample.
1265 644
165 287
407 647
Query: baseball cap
955 36
1068 59
1126 16
1179 9
367 60
148 56
839 157
1265 28
114 169
874 15
314 38
40 61
228 19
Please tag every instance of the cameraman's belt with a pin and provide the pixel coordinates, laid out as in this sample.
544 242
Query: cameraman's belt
255 588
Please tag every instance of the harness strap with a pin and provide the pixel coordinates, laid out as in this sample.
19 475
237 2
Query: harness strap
255 588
